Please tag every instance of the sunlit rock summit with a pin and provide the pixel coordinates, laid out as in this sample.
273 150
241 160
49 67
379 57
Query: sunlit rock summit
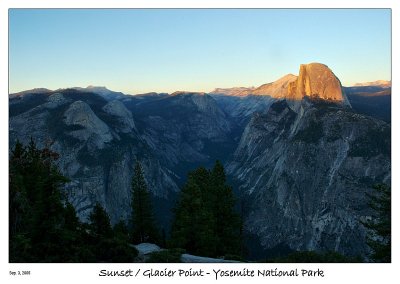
316 80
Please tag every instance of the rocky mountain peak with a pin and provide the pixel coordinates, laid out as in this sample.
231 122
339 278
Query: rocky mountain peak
318 81
276 89
102 91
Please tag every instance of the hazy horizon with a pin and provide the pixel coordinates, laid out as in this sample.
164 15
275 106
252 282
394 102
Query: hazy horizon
166 50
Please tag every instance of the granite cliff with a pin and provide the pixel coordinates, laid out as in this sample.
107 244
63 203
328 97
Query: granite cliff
300 156
304 166
318 81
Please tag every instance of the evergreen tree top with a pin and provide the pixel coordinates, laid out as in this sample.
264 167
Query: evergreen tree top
100 221
218 173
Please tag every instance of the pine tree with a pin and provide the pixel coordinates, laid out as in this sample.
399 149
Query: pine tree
36 206
379 238
227 222
192 227
20 244
100 222
121 231
108 244
71 221
205 222
19 204
144 229
43 226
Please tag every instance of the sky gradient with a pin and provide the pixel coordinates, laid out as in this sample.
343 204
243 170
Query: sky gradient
165 50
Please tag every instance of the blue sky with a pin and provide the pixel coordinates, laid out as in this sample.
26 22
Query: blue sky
144 50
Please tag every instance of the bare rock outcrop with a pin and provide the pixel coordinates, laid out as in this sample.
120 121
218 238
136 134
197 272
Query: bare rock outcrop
122 114
81 115
316 80
305 175
276 89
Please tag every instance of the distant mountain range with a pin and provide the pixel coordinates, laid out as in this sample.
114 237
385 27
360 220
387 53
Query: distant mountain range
378 83
300 152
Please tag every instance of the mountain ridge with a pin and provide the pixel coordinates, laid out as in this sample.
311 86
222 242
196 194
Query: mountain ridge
380 83
264 89
301 170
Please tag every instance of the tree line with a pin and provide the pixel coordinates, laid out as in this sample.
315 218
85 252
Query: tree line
205 220
44 227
